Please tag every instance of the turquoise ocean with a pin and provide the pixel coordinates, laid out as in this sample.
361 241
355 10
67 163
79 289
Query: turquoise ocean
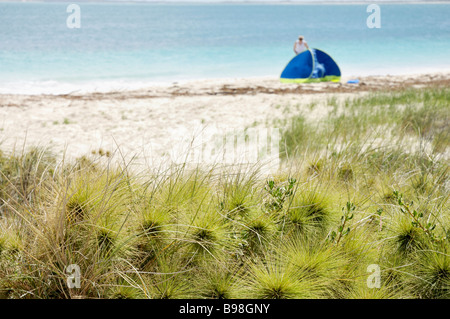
127 45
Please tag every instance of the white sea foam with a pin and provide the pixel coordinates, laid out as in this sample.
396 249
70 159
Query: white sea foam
57 88
102 86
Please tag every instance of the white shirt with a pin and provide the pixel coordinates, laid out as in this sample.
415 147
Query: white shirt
299 48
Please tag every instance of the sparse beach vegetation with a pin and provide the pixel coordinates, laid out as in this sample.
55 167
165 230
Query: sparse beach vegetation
366 184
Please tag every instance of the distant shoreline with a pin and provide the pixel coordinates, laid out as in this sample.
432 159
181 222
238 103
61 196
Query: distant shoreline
55 87
250 2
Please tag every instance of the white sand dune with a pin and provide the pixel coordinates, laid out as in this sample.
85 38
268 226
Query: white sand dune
149 122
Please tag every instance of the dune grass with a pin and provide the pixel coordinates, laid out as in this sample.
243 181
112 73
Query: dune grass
367 185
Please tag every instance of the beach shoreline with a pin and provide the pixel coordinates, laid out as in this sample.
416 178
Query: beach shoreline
53 87
146 120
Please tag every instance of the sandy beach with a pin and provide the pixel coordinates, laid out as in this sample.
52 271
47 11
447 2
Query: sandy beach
147 121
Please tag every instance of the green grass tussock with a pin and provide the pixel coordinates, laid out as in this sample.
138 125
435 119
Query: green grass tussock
365 185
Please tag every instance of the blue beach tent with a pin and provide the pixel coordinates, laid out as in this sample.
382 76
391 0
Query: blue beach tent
311 65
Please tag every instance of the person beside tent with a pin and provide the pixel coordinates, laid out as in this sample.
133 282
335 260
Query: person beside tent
300 45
